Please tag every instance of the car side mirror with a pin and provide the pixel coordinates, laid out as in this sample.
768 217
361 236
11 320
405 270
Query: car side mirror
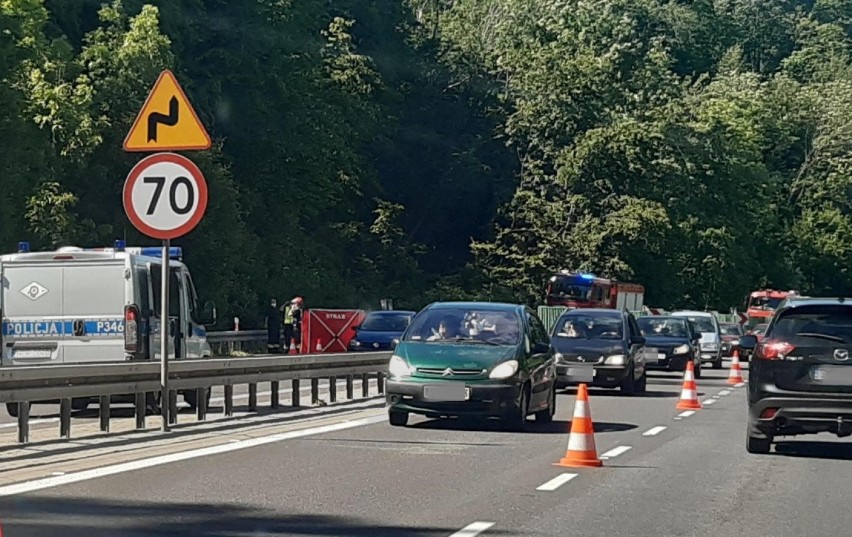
209 315
696 339
637 340
394 342
748 342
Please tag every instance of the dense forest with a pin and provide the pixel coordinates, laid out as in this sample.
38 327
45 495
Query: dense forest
442 149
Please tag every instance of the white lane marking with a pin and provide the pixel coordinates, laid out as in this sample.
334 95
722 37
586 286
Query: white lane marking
654 431
739 384
709 401
49 482
725 392
557 482
471 530
615 452
686 414
32 422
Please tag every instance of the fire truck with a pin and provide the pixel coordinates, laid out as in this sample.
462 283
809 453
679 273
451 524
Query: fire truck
762 304
581 290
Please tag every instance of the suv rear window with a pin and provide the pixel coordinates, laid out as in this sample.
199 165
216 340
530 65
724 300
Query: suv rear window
814 325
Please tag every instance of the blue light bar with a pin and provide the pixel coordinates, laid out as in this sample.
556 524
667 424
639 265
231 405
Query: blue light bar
175 252
587 276
23 247
120 245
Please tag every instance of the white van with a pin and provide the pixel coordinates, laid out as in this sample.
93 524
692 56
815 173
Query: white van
707 325
76 305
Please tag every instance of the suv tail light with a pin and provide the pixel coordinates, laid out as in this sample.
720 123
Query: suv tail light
774 350
131 329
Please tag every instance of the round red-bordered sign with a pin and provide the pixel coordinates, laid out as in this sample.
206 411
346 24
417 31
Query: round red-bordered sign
165 196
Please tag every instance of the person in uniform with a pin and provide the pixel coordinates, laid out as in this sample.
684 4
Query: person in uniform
273 328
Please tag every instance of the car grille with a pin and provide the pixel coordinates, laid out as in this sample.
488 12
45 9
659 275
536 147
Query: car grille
455 372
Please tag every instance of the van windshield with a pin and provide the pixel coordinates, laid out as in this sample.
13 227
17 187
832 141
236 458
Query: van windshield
702 324
465 325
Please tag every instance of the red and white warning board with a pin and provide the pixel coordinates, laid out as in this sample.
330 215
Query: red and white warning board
329 330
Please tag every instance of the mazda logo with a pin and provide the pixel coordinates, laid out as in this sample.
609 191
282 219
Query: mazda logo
581 359
841 354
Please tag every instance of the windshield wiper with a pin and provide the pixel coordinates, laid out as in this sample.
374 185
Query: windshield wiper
458 339
822 336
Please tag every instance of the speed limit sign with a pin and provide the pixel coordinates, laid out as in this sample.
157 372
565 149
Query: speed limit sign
165 196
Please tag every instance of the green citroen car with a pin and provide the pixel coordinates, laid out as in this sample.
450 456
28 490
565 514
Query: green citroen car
473 359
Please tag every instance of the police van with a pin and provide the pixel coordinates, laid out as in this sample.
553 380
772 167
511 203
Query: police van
96 305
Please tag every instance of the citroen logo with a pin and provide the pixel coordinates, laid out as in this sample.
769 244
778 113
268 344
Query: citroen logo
841 354
447 372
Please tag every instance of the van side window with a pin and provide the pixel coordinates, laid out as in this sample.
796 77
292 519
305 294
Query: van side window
174 291
144 291
194 310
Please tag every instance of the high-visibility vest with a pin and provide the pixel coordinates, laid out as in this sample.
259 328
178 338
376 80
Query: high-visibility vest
288 314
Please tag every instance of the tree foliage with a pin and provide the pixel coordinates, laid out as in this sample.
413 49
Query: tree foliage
438 149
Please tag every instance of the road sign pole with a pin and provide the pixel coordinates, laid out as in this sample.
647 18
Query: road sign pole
164 338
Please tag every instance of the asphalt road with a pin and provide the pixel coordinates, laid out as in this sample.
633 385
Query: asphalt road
665 474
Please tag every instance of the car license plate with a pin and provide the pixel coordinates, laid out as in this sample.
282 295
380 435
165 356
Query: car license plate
836 375
581 374
30 353
449 391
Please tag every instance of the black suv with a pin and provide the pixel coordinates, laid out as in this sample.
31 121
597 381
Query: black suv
800 377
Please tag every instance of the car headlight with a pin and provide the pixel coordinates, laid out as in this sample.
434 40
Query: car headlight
397 367
735 342
617 359
504 370
683 349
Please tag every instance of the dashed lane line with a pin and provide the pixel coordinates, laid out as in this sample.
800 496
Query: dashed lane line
654 431
615 452
557 482
685 414
725 392
709 401
471 530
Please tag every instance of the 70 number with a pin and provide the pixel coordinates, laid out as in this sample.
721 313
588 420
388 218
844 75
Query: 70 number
160 182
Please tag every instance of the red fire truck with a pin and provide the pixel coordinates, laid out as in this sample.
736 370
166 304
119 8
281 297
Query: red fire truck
580 290
762 305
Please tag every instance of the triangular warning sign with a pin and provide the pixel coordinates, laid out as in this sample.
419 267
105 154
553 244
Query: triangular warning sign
167 122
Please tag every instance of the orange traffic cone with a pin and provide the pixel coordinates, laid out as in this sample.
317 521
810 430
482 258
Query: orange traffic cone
293 348
319 345
735 376
689 393
581 442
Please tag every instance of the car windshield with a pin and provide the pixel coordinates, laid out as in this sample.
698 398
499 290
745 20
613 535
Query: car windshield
579 326
765 303
730 329
651 326
701 323
386 322
815 326
465 325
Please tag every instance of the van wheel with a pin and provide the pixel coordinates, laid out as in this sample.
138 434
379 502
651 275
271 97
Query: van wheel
398 419
12 409
697 369
191 400
717 364
546 415
642 384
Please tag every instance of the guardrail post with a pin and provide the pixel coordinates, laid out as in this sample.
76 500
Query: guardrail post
229 400
201 403
139 410
314 391
274 387
365 384
296 393
173 410
332 389
252 399
350 387
23 422
65 417
103 413
380 379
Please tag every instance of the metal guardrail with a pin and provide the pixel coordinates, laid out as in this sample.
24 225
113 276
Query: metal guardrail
25 385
